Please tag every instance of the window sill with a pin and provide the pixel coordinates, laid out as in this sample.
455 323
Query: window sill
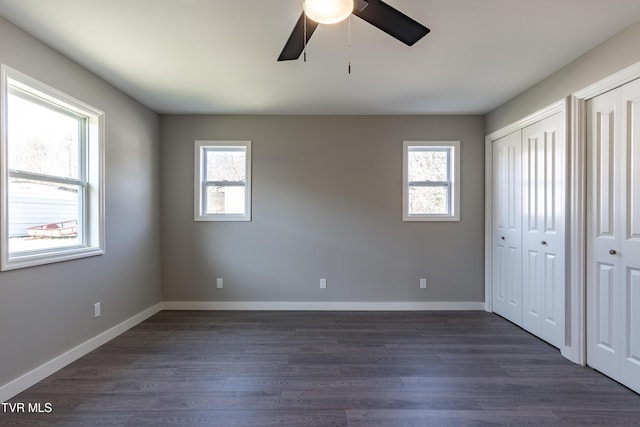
34 259
417 218
222 218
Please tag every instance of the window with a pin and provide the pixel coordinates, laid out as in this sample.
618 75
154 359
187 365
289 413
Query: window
52 194
222 181
431 176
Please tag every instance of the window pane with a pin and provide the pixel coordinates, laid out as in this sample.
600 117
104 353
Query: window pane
225 200
428 201
42 215
428 165
226 164
42 140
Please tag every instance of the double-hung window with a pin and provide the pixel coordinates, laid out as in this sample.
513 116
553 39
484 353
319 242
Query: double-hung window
431 176
222 181
52 197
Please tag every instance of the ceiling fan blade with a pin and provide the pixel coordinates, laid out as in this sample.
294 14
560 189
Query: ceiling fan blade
295 45
390 20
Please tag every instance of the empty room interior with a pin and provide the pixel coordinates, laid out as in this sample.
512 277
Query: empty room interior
223 213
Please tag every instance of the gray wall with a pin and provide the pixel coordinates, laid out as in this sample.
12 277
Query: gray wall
613 55
326 204
47 310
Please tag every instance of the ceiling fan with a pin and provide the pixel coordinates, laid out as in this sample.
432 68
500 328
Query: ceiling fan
375 12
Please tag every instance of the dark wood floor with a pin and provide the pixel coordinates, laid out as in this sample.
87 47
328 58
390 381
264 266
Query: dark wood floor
327 369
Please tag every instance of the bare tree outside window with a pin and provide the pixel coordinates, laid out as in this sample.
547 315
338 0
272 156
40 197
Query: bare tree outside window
43 140
226 177
428 181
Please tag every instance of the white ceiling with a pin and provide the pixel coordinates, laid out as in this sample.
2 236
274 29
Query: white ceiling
219 56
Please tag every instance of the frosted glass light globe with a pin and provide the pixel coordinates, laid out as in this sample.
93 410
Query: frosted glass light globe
328 11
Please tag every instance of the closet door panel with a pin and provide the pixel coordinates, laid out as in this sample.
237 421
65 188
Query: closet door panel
605 313
630 245
507 228
603 233
553 314
533 173
632 291
544 171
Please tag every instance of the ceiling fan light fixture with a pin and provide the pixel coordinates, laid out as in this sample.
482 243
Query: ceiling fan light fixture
328 11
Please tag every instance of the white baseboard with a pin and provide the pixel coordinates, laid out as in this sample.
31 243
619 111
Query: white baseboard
324 305
17 386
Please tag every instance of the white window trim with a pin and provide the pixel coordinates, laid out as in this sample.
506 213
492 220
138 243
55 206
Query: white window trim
199 179
454 214
94 234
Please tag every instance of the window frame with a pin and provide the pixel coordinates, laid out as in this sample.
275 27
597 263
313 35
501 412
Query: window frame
201 183
452 183
90 172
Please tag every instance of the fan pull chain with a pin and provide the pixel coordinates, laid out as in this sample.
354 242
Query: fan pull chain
349 45
304 40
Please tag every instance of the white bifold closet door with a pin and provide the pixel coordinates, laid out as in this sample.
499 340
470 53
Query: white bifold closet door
543 207
613 234
507 227
528 253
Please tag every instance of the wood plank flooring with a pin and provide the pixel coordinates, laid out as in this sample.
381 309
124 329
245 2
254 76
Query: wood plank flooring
298 369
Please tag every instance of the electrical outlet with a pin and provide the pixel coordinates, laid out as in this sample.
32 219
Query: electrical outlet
219 283
323 283
423 283
97 311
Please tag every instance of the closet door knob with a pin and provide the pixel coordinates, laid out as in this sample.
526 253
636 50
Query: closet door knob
612 252
544 242
501 237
